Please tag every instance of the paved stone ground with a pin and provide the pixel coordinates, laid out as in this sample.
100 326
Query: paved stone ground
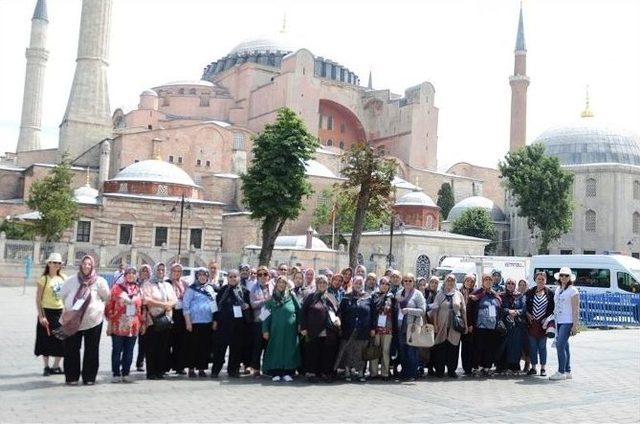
605 388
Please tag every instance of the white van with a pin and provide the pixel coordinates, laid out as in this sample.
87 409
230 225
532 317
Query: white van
509 266
594 273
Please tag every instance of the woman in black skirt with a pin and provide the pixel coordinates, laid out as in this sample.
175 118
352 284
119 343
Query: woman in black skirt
49 306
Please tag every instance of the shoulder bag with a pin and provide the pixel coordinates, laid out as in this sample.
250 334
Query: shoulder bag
162 322
371 351
421 336
456 320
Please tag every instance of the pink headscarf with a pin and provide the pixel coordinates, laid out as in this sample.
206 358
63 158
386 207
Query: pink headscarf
91 278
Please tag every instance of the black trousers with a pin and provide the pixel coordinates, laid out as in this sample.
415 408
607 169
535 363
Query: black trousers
486 344
258 345
157 351
468 353
177 342
445 354
141 347
199 344
320 355
227 338
90 357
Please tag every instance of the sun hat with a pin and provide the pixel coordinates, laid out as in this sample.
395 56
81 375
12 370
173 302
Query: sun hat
54 257
565 270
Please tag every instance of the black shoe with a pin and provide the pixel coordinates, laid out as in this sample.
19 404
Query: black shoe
452 374
213 375
192 374
46 372
543 373
532 371
57 371
439 375
140 369
234 375
152 377
180 372
202 373
312 379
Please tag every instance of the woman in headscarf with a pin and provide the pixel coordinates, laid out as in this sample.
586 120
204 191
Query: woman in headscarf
411 309
280 329
485 307
513 311
427 354
384 304
299 289
86 292
124 313
159 300
467 340
450 302
49 305
143 276
357 317
198 305
310 280
336 287
361 271
259 295
178 332
319 326
371 283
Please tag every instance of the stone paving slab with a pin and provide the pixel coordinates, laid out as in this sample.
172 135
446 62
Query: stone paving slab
605 388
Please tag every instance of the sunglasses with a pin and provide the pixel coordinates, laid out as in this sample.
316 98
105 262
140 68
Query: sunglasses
262 274
564 275
511 284
56 263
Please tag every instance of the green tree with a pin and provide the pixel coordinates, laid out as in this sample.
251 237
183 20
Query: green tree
276 181
369 173
17 230
446 200
53 198
476 222
345 211
541 190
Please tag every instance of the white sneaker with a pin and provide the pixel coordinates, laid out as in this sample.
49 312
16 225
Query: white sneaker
125 379
568 375
276 378
288 378
558 376
116 379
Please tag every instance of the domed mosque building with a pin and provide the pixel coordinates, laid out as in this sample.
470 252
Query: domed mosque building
605 162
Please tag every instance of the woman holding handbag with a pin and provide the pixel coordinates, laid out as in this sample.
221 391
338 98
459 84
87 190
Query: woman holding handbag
357 316
124 313
411 309
450 321
159 300
485 307
49 306
539 306
84 296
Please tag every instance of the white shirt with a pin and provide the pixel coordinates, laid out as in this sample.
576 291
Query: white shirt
563 301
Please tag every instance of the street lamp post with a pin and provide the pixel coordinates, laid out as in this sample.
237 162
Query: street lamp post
183 205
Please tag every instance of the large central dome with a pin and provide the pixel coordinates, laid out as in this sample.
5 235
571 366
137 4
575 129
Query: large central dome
590 142
279 42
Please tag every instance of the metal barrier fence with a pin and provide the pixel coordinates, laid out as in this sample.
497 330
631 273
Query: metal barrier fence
609 309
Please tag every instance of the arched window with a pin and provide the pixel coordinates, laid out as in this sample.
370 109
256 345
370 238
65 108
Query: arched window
342 145
636 189
590 189
329 142
181 91
423 266
590 221
238 141
636 223
192 91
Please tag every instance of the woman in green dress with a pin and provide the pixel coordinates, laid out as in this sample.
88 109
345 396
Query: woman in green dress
280 329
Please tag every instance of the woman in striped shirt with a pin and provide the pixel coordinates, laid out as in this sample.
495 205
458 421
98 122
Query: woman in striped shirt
539 303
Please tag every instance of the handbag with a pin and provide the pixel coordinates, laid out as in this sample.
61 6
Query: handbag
456 320
501 327
162 322
371 351
421 335
70 320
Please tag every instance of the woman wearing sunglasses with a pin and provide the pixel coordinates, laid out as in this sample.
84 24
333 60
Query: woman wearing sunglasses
49 306
411 308
567 314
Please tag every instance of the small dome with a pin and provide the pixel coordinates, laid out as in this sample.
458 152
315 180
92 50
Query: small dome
588 142
85 194
156 171
299 242
415 198
149 93
464 205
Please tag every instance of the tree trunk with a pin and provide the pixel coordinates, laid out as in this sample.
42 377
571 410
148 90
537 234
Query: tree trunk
358 225
271 228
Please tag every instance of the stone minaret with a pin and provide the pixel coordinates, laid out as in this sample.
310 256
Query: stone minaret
87 120
37 54
519 82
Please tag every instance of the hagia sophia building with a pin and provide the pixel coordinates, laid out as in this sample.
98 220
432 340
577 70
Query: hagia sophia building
193 139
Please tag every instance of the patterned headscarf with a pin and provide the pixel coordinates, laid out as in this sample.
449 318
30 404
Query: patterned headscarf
91 278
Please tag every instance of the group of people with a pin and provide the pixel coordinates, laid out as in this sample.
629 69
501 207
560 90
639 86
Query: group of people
284 323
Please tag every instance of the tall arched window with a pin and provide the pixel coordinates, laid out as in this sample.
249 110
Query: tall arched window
423 266
238 141
636 223
591 187
329 142
342 145
636 189
590 221
181 91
